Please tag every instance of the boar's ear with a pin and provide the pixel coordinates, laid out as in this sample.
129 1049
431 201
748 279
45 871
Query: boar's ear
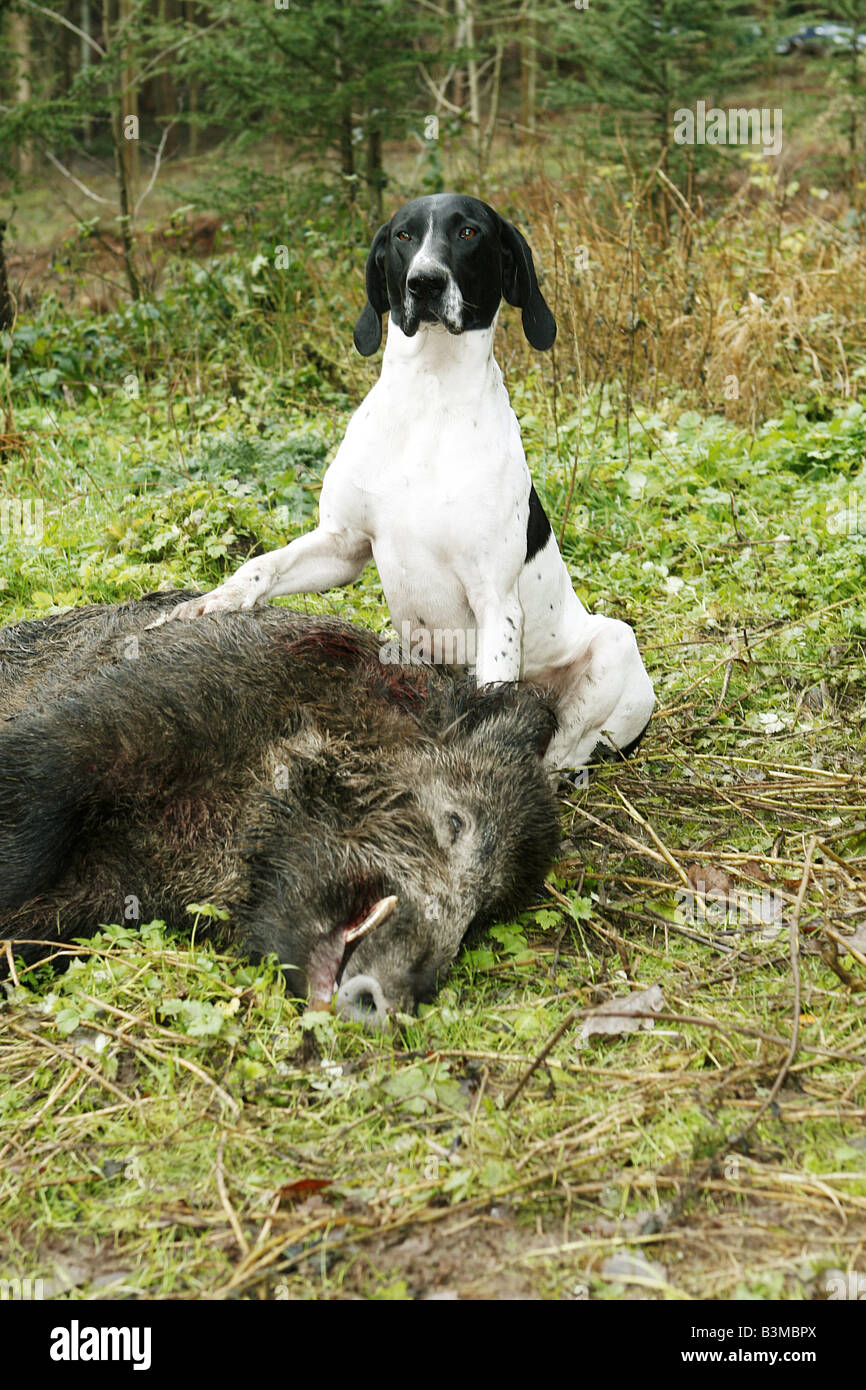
533 721
368 329
520 287
511 717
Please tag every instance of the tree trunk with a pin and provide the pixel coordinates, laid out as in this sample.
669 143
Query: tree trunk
123 197
374 173
345 139
166 97
7 308
347 152
19 44
129 131
466 21
458 82
495 88
854 85
189 8
529 66
85 26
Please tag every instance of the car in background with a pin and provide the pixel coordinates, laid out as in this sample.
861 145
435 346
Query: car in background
822 41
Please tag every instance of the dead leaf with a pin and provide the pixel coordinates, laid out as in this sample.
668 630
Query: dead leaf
619 1015
709 880
722 905
752 869
300 1189
625 1265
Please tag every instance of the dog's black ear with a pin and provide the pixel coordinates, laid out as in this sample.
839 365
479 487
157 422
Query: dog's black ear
520 287
368 329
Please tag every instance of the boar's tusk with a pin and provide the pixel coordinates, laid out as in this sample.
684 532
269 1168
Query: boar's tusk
378 913
324 968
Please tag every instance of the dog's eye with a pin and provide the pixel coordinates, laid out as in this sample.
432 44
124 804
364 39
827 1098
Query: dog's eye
403 236
456 826
467 233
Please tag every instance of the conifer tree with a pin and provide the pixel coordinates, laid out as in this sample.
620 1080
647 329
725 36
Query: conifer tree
646 59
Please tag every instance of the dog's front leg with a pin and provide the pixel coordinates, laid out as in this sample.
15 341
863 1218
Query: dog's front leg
500 637
323 559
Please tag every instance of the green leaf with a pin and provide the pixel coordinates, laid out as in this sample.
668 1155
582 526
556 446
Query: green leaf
208 910
580 908
496 1173
480 959
67 1020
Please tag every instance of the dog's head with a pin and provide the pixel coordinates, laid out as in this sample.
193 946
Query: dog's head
450 259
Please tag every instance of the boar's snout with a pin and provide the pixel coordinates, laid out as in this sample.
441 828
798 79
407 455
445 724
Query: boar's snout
400 965
361 999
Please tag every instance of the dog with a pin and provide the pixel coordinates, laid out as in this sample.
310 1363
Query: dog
432 483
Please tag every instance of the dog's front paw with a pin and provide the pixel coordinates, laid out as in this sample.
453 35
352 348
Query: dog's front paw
228 598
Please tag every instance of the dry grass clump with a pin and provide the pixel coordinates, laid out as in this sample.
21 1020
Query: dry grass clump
738 307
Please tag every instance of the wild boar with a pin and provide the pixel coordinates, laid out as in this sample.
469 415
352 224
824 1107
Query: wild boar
354 817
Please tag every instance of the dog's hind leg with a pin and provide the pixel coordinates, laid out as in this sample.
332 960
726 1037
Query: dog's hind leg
605 697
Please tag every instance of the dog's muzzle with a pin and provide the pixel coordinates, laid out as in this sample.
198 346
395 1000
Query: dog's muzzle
431 296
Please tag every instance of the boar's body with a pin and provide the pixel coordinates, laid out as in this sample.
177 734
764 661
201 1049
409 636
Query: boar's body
272 764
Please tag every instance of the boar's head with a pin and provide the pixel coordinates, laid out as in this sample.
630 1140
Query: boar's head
459 830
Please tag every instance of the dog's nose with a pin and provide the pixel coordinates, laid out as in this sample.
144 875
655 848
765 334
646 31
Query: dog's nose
426 284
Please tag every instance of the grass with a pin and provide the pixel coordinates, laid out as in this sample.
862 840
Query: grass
171 1126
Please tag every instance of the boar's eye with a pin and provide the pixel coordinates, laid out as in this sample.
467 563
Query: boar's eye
449 826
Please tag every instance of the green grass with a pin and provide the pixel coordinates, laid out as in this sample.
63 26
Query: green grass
172 1126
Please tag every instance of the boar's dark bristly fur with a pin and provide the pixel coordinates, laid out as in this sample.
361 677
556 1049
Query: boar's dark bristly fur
272 764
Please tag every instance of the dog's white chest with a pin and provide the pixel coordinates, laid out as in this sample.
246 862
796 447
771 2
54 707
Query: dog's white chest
432 470
432 449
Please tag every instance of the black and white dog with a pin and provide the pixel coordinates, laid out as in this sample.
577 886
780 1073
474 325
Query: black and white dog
431 482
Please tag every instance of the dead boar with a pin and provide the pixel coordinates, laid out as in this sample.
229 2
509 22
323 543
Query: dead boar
354 817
